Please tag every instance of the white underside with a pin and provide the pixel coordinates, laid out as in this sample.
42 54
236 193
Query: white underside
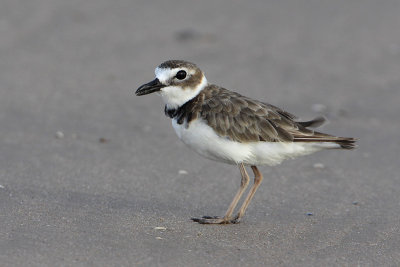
202 138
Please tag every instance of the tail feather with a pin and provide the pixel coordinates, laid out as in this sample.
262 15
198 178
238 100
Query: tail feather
306 135
348 143
302 133
344 142
314 123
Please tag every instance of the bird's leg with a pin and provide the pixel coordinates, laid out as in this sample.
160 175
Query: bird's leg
243 185
257 181
228 215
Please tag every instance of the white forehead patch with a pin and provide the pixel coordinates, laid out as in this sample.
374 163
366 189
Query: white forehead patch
163 75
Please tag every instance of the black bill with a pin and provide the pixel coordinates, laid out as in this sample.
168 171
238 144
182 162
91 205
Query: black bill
150 87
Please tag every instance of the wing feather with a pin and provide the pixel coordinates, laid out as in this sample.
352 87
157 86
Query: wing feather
243 119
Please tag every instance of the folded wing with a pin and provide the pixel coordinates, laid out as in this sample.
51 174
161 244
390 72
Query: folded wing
243 119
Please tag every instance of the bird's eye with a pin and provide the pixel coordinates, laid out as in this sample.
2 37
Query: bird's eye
181 75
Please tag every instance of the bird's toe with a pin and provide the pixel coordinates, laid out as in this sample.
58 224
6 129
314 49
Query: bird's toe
215 220
211 217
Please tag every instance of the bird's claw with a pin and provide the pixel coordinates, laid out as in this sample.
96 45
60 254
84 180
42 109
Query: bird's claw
216 220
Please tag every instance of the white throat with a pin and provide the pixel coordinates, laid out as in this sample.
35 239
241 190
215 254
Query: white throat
176 96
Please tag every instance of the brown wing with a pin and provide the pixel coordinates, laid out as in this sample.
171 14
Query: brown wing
243 119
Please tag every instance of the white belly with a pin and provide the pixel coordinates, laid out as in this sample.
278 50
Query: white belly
202 138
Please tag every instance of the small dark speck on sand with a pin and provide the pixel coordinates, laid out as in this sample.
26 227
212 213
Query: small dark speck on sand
103 140
186 35
309 214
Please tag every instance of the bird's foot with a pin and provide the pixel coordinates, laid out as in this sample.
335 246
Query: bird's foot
216 220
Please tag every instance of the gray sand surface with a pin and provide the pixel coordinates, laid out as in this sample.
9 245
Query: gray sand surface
92 175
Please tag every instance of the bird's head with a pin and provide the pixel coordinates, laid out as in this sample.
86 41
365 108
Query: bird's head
177 82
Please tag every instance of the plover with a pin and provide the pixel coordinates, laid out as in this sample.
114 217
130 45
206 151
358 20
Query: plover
225 126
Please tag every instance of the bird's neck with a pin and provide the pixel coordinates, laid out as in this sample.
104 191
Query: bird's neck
181 112
174 97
